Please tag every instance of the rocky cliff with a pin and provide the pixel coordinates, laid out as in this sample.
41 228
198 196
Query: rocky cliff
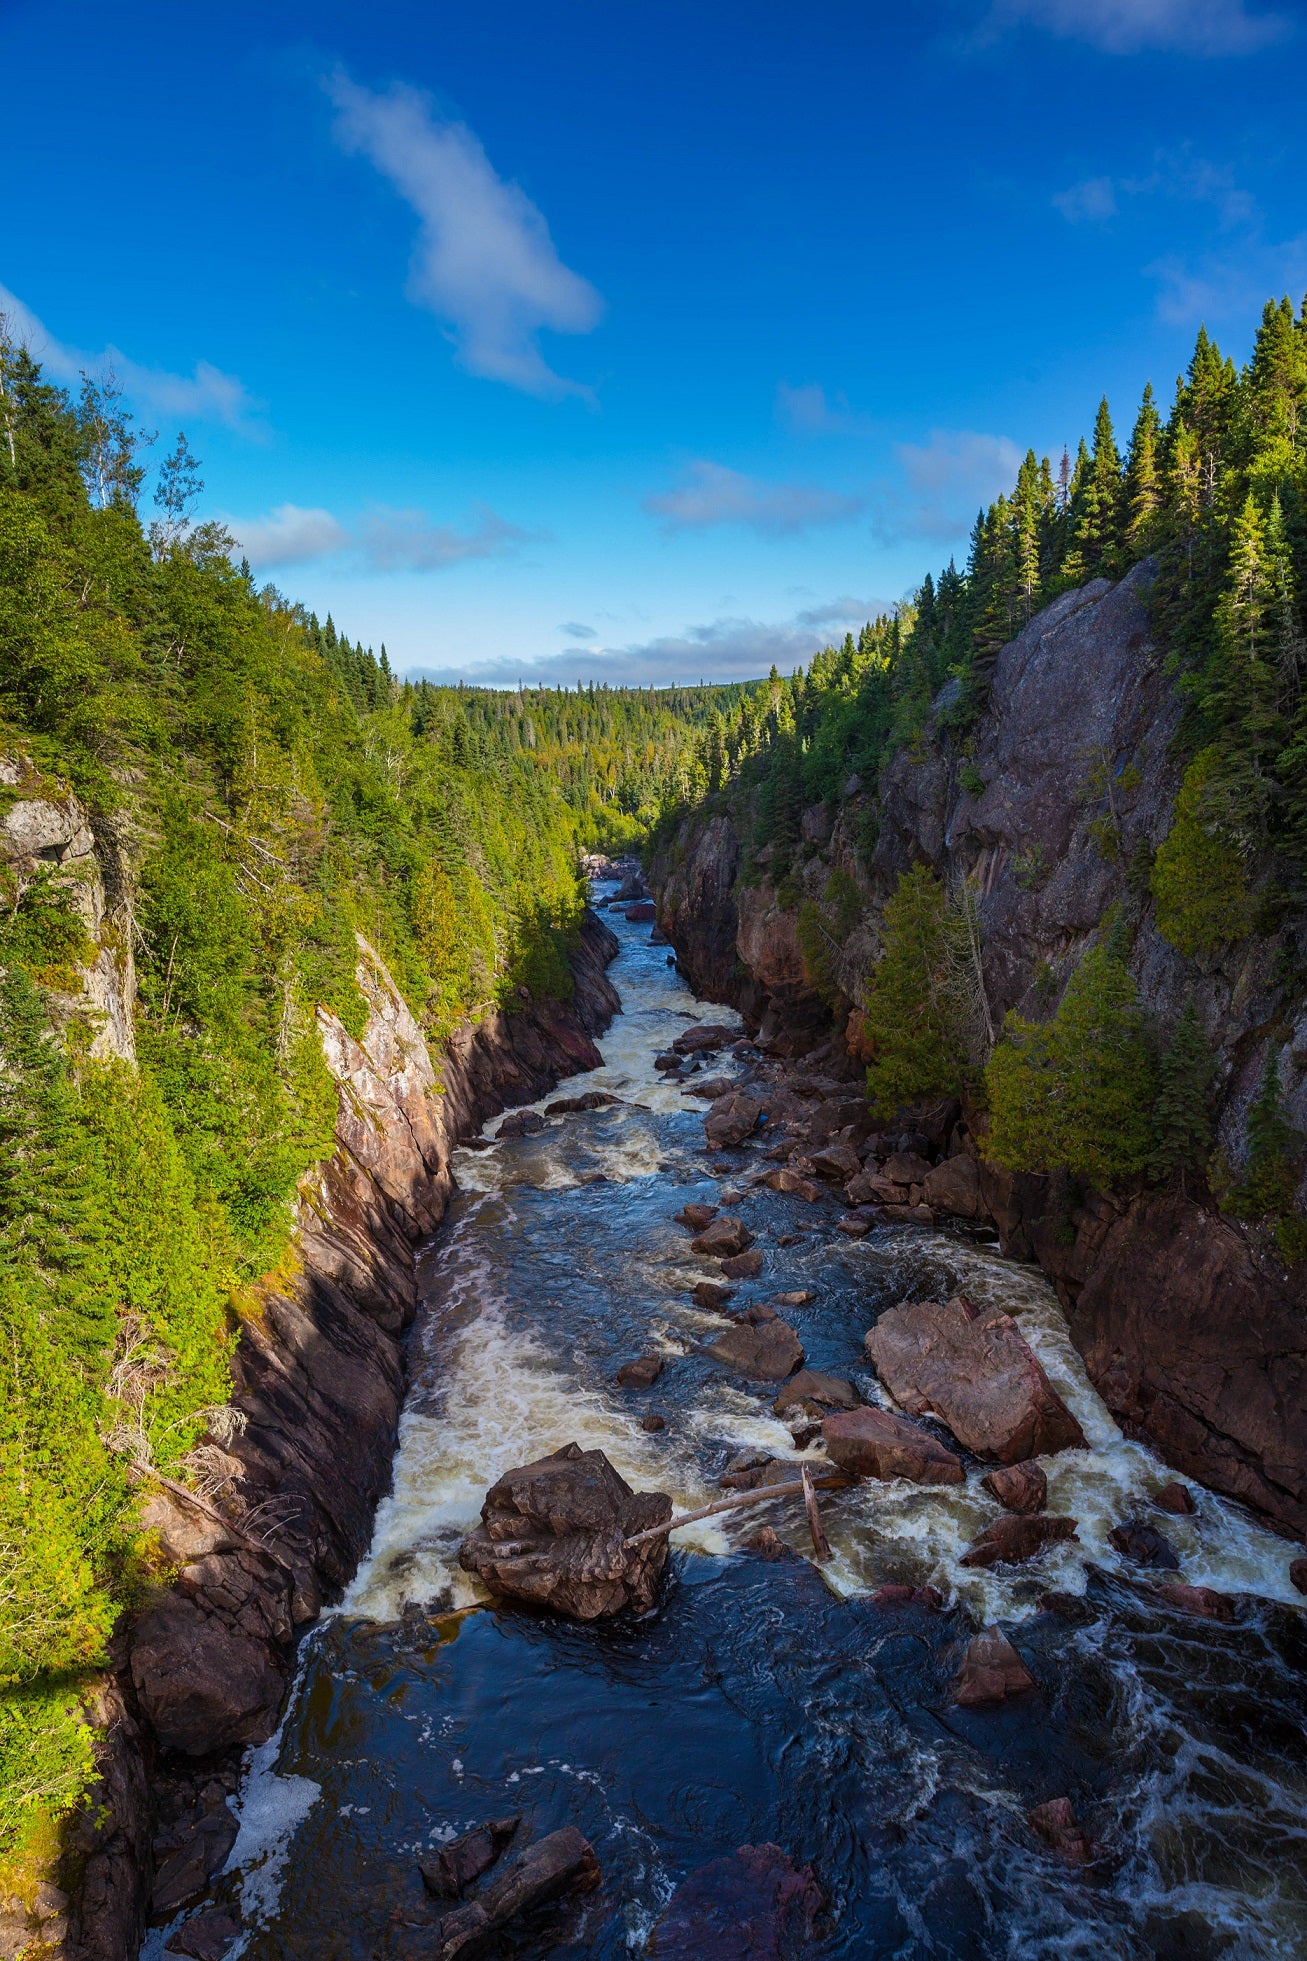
1190 1326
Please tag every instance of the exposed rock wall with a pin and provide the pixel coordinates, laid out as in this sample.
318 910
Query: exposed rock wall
1191 1330
318 1385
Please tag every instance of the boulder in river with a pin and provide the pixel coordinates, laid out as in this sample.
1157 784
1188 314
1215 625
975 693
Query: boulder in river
571 1106
448 1872
1177 1499
815 1386
711 1294
653 1422
642 1373
564 1862
898 1595
731 1119
766 1352
1142 1544
552 1533
971 1367
722 1238
838 1161
743 1266
1012 1540
642 913
521 1123
1057 1824
991 1671
1203 1602
753 1905
205 1936
801 1297
872 1443
794 1183
1298 1575
954 1187
702 1036
1019 1487
697 1216
668 1062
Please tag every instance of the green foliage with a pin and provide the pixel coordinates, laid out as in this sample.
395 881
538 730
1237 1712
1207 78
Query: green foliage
1076 1093
823 929
910 1013
1182 1122
1198 882
1274 1167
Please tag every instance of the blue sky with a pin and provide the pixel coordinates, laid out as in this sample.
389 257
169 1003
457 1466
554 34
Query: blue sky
648 341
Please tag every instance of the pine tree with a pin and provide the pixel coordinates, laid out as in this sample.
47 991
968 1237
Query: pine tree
1143 480
1288 648
1182 1124
909 1014
1096 505
1275 1148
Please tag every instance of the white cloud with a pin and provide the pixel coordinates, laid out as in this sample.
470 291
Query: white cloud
383 540
945 480
484 261
1093 200
574 630
712 494
1221 287
1176 174
1195 27
809 411
207 395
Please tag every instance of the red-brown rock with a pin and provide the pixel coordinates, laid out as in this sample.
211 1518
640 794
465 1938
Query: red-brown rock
642 913
205 1936
731 1119
1177 1499
697 1216
743 1266
793 1182
711 1294
448 1872
814 1386
991 1672
1142 1544
642 1373
1019 1487
871 1443
837 1161
723 1238
1012 1540
653 1422
552 1533
1203 1602
753 1905
1298 1574
769 1352
971 1367
561 1863
906 1596
1057 1824
954 1187
905 1169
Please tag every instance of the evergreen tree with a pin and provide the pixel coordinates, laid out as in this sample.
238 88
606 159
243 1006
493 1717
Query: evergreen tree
909 1015
1143 480
1182 1124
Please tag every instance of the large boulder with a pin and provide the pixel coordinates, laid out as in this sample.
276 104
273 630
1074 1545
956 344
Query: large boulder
971 1367
753 1905
564 1862
450 1870
704 1035
767 1352
722 1238
838 1161
743 1266
871 1443
731 1119
1019 1487
1012 1540
815 1386
954 1187
552 1533
786 1180
203 1684
991 1672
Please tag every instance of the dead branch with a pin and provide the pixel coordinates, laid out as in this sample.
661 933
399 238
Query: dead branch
827 1481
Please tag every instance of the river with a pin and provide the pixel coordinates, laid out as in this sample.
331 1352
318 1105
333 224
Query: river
764 1701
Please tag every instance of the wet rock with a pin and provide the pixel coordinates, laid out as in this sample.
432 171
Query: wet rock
723 1238
667 1062
1056 1823
801 1297
767 1352
642 1373
551 1534
1203 1602
744 1266
204 1685
908 1215
711 1088
642 913
1013 1540
954 1187
449 1872
562 1863
767 1544
711 1294
1298 1574
837 1161
571 1106
753 1905
868 1188
1019 1487
1177 1499
520 1123
697 1216
185 1869
794 1183
872 1443
1143 1544
658 937
753 1476
703 1035
991 1672
909 1596
205 1937
971 1367
731 1119
906 1169
852 1226
814 1386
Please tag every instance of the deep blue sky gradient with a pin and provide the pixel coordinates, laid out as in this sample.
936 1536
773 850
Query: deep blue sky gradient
961 225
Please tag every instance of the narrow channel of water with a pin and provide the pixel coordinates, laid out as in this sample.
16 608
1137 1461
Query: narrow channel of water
763 1702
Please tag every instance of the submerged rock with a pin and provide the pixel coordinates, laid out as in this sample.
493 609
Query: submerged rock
991 1671
971 1367
744 1266
1057 1824
1204 1602
552 1533
520 1123
1013 1540
449 1872
642 1373
205 1937
1143 1544
815 1386
753 1905
653 1422
564 1862
895 1595
1177 1499
1019 1487
873 1443
571 1106
711 1294
767 1352
1298 1574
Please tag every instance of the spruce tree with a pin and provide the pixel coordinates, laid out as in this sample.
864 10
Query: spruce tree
1143 480
1182 1125
909 1014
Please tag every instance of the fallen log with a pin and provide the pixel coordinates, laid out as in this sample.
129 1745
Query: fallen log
820 1543
826 1482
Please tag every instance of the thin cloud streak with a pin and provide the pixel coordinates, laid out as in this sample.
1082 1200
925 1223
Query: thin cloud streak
947 479
383 540
809 411
711 494
1205 28
207 395
484 261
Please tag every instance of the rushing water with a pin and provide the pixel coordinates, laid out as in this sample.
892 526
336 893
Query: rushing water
763 1702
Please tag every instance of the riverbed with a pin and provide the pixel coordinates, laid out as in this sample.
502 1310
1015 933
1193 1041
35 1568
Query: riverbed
766 1700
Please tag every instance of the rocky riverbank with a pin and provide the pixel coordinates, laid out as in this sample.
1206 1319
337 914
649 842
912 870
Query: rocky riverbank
1193 1330
306 1444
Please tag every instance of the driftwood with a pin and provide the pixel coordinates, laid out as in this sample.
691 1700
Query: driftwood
802 1487
820 1543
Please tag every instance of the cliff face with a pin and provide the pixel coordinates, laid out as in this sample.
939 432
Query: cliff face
308 1440
1193 1333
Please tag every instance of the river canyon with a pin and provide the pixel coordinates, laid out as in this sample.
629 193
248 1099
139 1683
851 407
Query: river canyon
766 1700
